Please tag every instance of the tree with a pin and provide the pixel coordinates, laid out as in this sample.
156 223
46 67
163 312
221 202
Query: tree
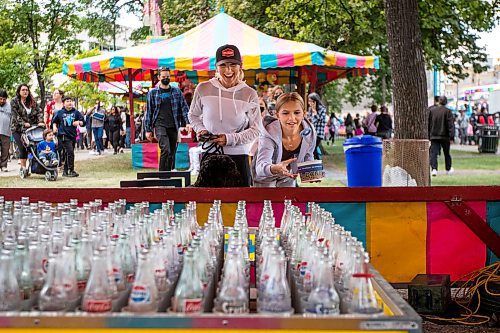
102 15
14 67
180 16
408 69
47 26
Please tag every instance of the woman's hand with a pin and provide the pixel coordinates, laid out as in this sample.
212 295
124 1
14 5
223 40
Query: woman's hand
27 125
221 140
282 169
201 133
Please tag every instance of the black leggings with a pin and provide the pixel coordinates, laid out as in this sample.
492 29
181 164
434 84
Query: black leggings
115 139
23 153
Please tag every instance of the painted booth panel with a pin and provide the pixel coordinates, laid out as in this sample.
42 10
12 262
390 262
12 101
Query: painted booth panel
396 238
352 216
452 248
493 219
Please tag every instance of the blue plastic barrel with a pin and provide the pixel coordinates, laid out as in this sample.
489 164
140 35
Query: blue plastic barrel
363 157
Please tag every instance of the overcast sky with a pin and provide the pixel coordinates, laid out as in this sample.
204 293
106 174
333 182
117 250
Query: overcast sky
490 40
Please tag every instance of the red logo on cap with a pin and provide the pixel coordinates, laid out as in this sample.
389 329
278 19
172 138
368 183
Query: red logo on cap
228 52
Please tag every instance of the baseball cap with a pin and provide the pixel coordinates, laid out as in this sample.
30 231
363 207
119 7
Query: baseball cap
227 53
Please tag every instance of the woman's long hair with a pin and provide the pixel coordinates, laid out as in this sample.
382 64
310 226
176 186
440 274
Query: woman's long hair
30 100
315 97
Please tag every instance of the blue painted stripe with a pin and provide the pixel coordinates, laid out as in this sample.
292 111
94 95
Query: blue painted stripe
117 62
65 69
212 64
493 220
178 207
376 63
167 62
352 216
87 67
317 58
137 156
268 61
351 62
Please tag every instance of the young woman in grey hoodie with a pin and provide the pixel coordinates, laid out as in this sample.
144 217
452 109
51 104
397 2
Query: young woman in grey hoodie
227 107
284 142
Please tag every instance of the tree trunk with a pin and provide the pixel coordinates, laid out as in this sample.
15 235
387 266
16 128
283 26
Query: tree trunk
408 70
383 79
41 86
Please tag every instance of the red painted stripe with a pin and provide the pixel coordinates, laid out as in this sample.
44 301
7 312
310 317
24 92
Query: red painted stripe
285 60
149 63
318 194
201 64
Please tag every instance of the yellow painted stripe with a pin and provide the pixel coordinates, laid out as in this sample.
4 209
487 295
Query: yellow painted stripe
302 59
251 62
71 69
330 59
131 62
228 213
184 64
104 64
369 62
396 239
179 330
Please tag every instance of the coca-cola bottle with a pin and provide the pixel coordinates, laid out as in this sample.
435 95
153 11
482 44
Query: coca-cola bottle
54 295
323 299
144 294
188 294
83 261
98 295
10 299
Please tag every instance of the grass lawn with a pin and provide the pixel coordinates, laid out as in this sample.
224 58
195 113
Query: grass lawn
471 168
102 172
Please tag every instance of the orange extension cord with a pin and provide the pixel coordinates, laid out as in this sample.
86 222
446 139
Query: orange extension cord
481 277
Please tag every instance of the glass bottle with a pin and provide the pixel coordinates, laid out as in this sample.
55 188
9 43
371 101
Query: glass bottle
144 294
188 294
323 299
98 294
10 299
54 295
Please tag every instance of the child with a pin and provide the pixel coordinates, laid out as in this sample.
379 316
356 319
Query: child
358 129
470 132
47 149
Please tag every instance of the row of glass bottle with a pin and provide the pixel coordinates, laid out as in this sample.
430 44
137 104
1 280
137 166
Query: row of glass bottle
315 263
52 256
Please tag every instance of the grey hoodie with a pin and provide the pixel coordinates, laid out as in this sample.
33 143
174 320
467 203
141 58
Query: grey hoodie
232 111
270 152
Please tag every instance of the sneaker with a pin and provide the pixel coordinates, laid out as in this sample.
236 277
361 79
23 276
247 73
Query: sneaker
121 150
450 172
114 153
46 162
55 162
65 173
73 173
434 173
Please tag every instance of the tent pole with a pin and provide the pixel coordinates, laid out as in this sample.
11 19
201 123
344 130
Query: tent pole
131 106
314 78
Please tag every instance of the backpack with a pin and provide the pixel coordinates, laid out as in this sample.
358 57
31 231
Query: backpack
491 121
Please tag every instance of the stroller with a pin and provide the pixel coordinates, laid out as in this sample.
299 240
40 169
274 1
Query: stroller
30 139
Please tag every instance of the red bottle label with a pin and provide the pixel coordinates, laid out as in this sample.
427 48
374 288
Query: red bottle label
82 284
97 306
192 305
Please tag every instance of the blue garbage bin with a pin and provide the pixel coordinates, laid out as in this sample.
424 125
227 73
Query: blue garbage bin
363 157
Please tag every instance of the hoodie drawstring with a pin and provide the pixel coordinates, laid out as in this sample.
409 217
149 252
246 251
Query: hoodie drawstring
220 105
234 103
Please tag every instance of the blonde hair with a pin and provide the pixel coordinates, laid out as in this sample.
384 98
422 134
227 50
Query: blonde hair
289 97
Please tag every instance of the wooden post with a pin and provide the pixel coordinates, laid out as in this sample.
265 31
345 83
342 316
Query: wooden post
314 78
131 106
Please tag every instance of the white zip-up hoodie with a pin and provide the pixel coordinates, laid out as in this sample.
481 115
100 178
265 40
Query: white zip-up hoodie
231 111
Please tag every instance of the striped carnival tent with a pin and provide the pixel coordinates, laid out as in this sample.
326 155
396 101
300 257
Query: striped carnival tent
194 52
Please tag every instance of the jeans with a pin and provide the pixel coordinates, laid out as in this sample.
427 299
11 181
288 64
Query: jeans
50 156
127 137
97 131
167 140
434 152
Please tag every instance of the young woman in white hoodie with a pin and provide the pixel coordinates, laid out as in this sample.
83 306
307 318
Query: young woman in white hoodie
284 142
227 107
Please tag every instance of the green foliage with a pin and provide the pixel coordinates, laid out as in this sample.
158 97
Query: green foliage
180 16
139 35
14 67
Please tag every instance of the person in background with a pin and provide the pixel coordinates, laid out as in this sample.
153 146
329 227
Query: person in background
165 112
5 131
25 114
127 128
441 133
98 117
114 124
88 127
227 107
349 126
331 124
358 130
64 124
276 92
384 123
369 121
46 149
463 123
317 116
53 106
106 133
284 141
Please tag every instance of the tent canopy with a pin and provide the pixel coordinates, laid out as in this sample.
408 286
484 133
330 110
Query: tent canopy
195 50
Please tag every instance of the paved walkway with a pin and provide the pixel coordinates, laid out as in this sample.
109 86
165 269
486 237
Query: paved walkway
13 166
